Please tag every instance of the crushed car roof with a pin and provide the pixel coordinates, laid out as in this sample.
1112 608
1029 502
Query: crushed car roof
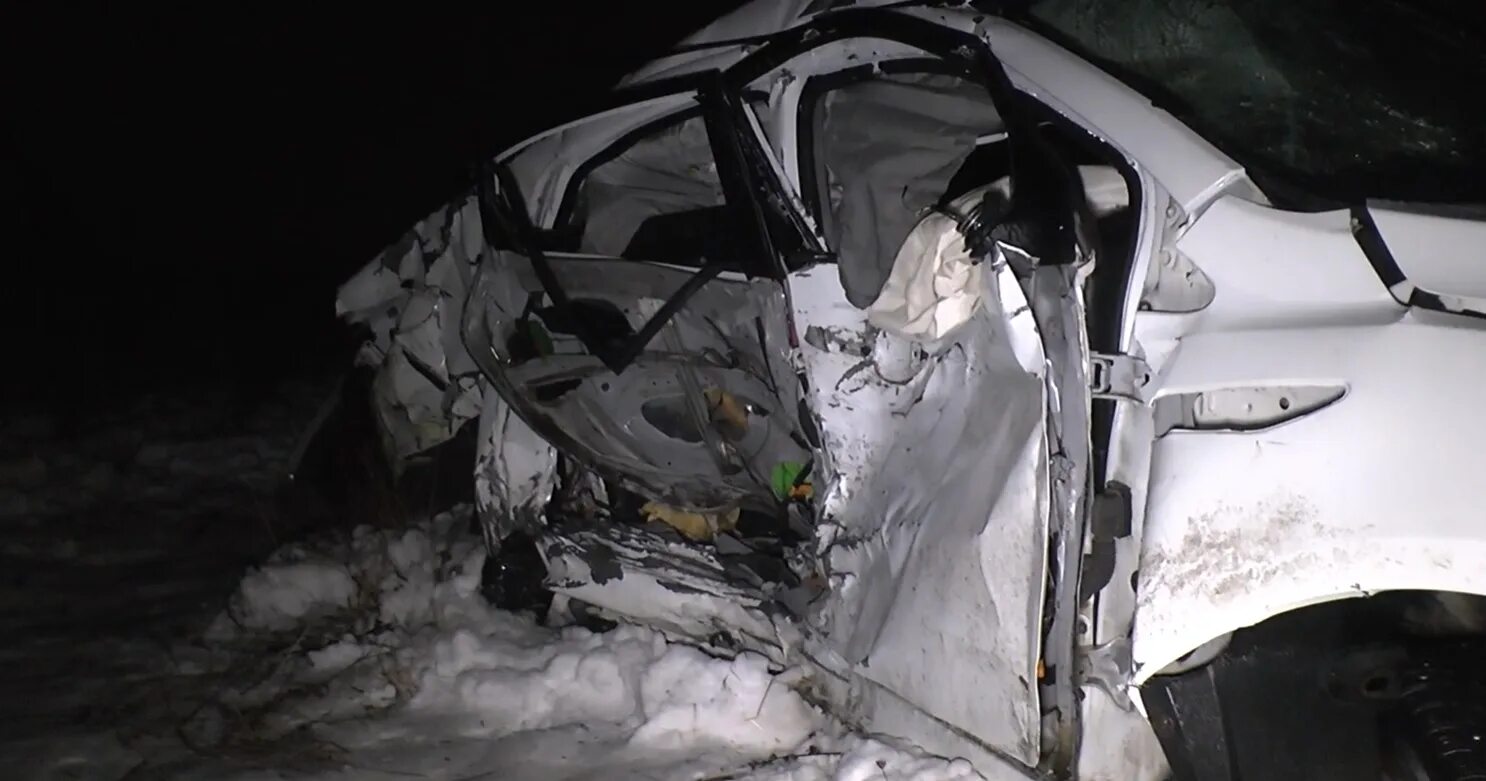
728 39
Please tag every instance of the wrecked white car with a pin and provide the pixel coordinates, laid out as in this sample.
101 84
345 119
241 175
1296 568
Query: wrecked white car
916 349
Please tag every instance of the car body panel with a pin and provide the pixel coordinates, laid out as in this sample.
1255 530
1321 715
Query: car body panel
1360 496
515 470
1439 250
1190 169
1394 507
411 297
1266 268
690 592
962 596
638 425
938 460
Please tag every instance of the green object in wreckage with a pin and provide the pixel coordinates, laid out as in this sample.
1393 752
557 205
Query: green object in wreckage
783 478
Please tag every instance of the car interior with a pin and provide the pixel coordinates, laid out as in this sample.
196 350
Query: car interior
880 147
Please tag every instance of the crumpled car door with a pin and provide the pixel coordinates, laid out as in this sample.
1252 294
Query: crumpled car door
952 465
654 351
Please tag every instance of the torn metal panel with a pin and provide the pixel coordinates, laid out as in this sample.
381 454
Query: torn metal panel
411 297
515 472
1056 298
1174 284
659 579
649 427
933 507
1120 744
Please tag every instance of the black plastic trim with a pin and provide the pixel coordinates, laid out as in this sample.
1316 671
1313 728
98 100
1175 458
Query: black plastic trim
1370 239
515 220
722 114
1111 284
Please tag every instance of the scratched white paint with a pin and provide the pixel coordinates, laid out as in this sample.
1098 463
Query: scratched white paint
1377 491
411 297
515 471
934 505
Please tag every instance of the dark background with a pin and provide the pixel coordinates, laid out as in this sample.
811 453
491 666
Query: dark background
184 188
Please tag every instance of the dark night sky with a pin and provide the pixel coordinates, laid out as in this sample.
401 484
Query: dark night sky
187 187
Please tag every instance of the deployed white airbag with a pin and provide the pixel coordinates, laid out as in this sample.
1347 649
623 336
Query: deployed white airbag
935 285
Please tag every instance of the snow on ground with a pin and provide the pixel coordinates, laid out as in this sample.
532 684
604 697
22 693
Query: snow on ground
359 654
123 525
388 663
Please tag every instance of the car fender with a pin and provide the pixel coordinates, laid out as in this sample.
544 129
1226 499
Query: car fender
1350 465
1377 491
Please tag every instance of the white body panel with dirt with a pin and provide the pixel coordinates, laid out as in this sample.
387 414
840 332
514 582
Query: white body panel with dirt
1376 491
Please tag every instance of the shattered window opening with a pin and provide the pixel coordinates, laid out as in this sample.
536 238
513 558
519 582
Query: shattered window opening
659 375
1319 99
655 194
660 200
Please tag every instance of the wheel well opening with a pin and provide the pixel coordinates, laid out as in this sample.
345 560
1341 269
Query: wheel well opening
1390 686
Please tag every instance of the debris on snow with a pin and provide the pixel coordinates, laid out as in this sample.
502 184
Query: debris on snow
865 759
399 662
384 640
375 654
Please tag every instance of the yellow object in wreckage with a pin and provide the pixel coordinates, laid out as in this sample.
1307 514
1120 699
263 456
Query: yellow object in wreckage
701 527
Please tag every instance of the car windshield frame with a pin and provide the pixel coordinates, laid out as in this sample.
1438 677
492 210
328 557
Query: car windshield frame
1308 139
